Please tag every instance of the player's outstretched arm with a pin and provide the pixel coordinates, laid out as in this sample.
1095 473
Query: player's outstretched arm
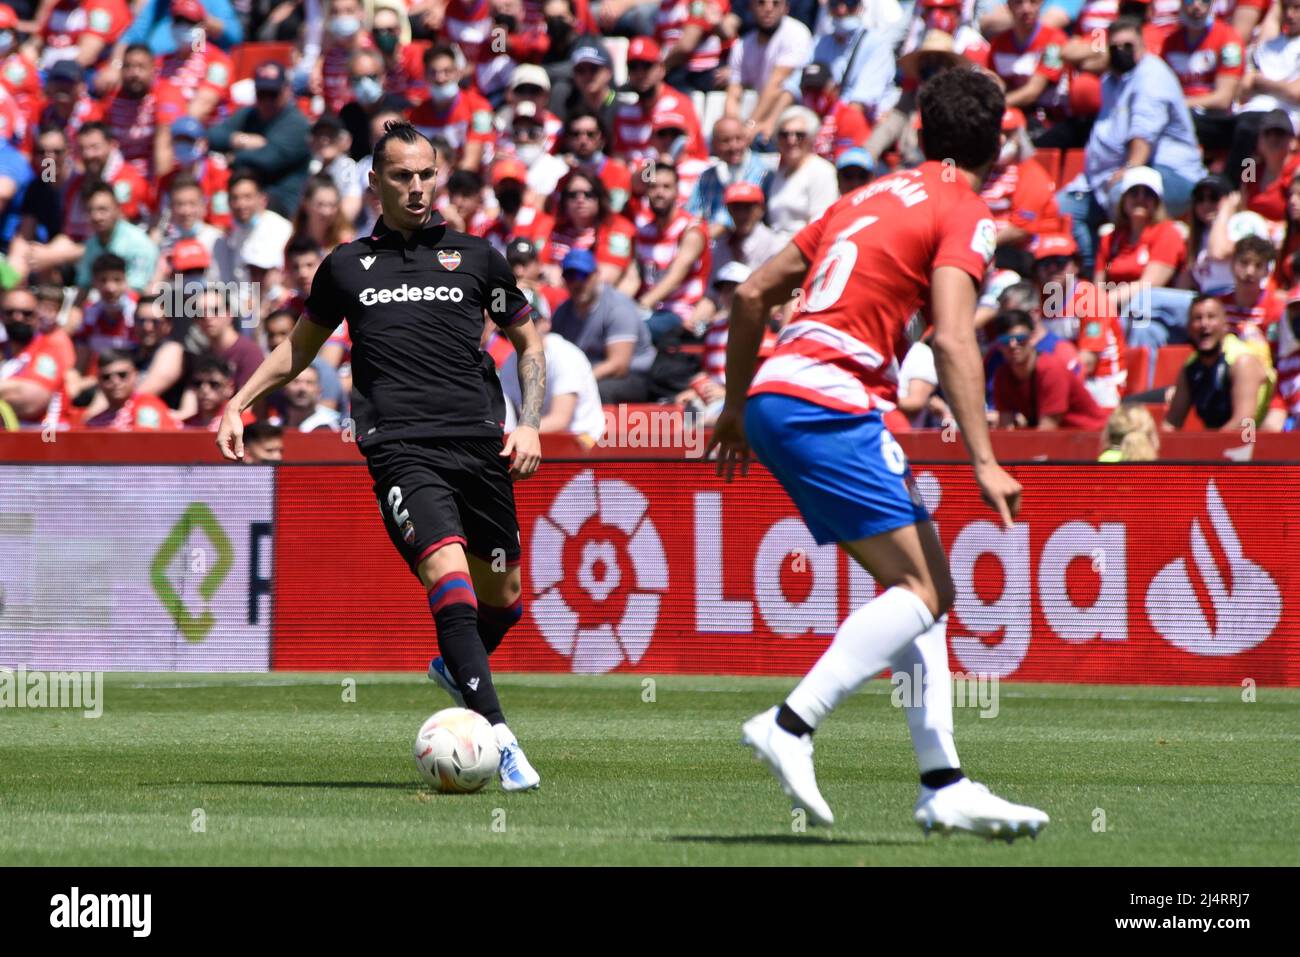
277 370
524 443
953 296
773 285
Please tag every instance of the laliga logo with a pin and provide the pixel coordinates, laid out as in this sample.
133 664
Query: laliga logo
1246 610
607 616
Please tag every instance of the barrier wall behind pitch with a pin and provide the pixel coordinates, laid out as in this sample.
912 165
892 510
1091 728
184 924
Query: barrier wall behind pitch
1128 574
1117 574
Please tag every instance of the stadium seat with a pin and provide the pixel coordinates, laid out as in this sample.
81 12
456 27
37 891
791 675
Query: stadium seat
247 56
1049 160
1071 166
1137 359
1169 360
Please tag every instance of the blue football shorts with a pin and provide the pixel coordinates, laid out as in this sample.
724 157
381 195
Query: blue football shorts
844 471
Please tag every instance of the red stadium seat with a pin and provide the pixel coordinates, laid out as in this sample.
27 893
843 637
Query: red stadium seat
247 56
1050 160
1169 360
1071 166
1137 359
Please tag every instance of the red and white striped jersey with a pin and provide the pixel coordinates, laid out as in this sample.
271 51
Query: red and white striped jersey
467 120
715 348
134 122
102 329
633 124
334 71
192 70
655 250
676 15
871 256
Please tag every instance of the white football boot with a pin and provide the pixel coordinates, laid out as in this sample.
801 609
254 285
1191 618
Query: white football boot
789 757
516 773
969 806
440 676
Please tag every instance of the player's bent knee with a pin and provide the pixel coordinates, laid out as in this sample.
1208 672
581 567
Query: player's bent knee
442 560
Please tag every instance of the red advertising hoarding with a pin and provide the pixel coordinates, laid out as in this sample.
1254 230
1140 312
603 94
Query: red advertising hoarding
1118 574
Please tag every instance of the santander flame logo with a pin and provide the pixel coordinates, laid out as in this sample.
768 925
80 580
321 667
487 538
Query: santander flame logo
1247 607
606 613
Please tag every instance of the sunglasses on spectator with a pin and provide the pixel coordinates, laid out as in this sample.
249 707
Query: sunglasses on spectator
580 194
576 277
1053 262
796 135
586 69
1013 339
114 376
1124 46
393 30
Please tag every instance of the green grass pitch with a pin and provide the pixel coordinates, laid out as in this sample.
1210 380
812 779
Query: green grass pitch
280 769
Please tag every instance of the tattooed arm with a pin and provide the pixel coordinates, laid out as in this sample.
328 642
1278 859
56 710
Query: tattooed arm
524 443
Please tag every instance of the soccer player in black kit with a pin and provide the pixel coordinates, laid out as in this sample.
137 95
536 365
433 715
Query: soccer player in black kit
428 410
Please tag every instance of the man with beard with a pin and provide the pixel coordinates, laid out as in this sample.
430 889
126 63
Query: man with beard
635 119
736 163
140 113
1228 381
672 253
763 60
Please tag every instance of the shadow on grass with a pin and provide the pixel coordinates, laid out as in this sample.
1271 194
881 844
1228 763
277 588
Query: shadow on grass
789 840
344 785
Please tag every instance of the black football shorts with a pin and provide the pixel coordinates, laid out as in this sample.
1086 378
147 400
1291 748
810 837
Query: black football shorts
435 491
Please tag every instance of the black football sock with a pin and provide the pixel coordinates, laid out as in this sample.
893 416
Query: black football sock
941 778
451 599
787 720
494 621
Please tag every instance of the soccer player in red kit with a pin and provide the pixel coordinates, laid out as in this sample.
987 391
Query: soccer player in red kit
918 239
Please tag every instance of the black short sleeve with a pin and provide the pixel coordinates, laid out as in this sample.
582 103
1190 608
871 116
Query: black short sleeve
506 304
325 304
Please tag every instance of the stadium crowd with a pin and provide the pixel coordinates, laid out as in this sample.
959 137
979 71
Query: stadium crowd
172 172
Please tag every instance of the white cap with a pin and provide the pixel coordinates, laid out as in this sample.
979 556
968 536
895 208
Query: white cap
530 73
262 254
734 271
526 109
1142 176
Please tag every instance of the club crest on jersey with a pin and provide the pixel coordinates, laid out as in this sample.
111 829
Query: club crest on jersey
408 533
450 259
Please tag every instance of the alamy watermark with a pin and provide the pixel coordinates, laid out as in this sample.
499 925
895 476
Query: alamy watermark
973 690
198 298
75 690
665 428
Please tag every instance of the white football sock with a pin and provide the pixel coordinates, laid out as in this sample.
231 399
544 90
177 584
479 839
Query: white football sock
928 706
862 648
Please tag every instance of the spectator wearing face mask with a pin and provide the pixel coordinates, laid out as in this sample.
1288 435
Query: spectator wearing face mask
402 68
345 35
32 366
516 218
762 60
200 70
1144 121
861 62
19 74
192 160
370 101
167 24
529 83
1027 58
525 139
461 117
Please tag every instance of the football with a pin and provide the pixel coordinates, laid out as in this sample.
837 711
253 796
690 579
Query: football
456 751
